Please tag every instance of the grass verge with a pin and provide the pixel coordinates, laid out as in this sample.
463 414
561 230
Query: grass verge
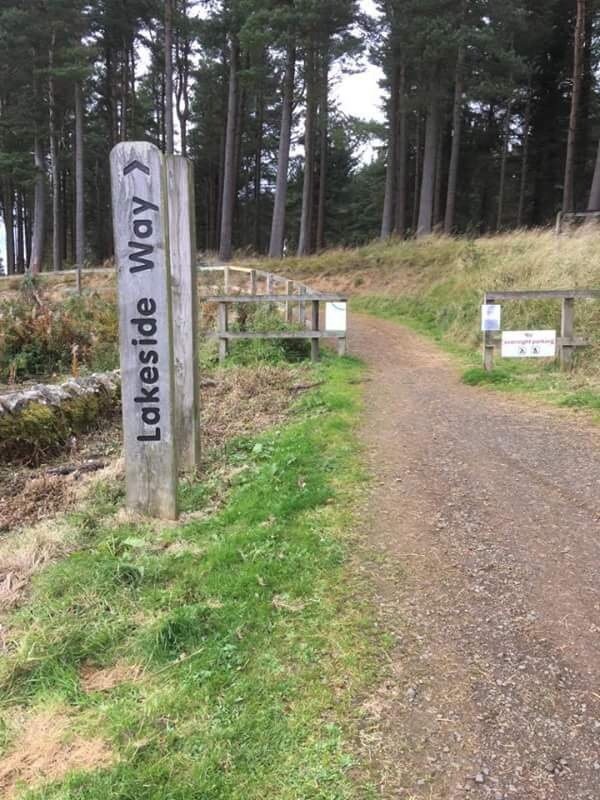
441 319
238 634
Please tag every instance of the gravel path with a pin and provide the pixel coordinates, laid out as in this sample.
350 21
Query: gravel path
483 528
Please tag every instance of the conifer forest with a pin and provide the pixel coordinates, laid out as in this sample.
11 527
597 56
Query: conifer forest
491 118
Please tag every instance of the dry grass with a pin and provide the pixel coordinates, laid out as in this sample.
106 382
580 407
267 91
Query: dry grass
525 259
22 558
45 749
104 680
247 400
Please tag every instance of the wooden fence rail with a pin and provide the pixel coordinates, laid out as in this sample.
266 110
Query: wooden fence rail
315 334
567 342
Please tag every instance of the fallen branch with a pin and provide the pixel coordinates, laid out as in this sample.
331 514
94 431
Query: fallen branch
80 469
304 387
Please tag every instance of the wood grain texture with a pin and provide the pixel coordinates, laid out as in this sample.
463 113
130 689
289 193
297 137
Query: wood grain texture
274 298
182 246
140 218
550 294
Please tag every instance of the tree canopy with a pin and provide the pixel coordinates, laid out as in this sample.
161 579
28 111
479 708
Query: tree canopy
492 118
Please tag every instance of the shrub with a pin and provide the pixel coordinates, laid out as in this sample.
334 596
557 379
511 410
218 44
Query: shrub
42 338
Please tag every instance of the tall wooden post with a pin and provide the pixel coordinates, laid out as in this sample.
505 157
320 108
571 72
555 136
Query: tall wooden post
315 341
184 290
488 347
488 351
223 327
253 282
302 308
567 331
140 219
289 307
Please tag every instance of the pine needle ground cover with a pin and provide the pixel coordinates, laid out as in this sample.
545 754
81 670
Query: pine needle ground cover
215 658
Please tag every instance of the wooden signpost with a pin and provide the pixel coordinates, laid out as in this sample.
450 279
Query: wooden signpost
140 219
184 297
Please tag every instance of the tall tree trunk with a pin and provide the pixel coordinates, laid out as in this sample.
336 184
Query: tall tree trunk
230 170
457 117
9 226
324 145
425 223
79 180
56 216
38 233
169 131
578 47
439 180
418 165
260 112
124 91
594 198
283 160
401 152
525 156
505 144
182 50
387 222
20 258
28 231
304 241
132 86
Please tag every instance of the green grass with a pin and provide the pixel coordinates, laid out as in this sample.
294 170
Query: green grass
250 630
453 325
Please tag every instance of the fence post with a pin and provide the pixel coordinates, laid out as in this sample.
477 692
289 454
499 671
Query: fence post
302 308
226 279
269 283
488 351
184 296
567 331
223 327
488 346
289 308
315 342
144 284
253 282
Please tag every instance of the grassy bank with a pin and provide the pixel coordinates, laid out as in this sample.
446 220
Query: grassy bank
216 658
436 287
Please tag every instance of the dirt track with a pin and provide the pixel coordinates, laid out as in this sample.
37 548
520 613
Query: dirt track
484 527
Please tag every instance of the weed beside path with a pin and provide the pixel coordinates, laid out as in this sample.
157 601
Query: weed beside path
216 658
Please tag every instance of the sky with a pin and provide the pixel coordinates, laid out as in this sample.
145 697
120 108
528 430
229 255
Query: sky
358 95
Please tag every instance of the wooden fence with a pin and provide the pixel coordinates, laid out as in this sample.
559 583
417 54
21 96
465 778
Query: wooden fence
298 303
294 295
567 342
569 216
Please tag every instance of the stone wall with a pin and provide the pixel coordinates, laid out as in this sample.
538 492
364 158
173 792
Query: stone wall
43 418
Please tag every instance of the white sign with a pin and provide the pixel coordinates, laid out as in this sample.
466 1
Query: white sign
529 344
336 317
140 220
491 317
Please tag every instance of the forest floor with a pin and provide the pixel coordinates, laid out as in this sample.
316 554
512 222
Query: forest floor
482 529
